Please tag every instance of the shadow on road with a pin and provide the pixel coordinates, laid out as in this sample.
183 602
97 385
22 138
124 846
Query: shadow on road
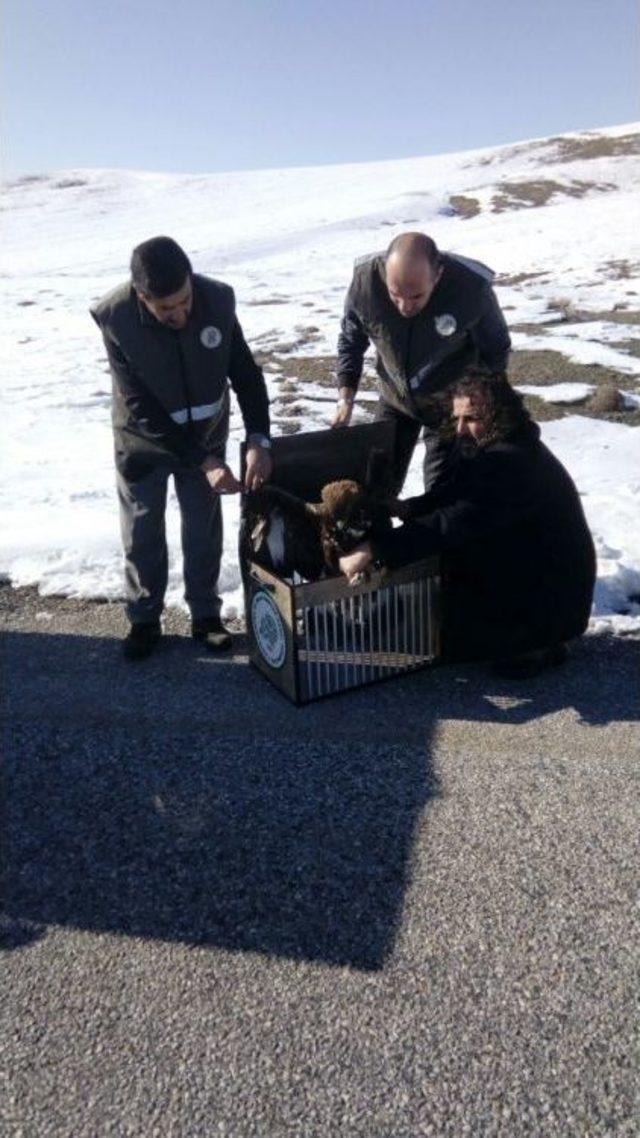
186 800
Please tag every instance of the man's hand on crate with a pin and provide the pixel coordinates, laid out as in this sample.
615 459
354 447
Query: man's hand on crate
355 565
344 407
258 466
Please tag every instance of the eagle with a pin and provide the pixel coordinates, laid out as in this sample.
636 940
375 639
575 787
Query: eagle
288 535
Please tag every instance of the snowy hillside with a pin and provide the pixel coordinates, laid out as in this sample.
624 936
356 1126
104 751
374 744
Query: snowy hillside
556 219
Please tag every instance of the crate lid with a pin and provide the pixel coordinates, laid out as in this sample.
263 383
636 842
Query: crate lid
304 463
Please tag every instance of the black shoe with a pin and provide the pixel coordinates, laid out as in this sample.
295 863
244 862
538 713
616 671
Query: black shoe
211 632
141 640
529 664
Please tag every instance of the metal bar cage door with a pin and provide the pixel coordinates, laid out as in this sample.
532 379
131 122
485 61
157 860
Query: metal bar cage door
319 638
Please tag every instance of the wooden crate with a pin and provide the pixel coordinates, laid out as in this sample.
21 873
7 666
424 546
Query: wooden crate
313 639
319 638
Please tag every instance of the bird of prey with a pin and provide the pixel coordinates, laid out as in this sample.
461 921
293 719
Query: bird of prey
289 535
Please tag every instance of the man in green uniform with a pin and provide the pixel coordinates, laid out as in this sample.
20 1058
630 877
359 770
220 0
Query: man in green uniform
429 315
174 344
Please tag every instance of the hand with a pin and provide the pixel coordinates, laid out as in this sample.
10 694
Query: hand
259 465
220 477
344 407
356 563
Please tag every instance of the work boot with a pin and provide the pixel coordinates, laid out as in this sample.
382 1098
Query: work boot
211 633
529 664
141 640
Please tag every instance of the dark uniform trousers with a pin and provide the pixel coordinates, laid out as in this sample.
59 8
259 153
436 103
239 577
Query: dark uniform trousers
142 525
407 433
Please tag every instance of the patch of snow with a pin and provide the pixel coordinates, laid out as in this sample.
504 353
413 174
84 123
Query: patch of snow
290 268
558 392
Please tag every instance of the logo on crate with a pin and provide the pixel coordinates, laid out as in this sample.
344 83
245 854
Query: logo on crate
268 628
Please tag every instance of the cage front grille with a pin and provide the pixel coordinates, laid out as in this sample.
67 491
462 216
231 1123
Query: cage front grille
355 640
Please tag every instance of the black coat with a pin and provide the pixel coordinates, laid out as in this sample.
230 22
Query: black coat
519 562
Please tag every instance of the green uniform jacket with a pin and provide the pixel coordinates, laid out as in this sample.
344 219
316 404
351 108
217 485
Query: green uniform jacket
419 356
171 388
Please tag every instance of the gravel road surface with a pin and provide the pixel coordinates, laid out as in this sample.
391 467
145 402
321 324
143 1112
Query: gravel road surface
400 912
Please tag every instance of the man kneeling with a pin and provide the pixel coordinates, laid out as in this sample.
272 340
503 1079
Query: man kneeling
518 558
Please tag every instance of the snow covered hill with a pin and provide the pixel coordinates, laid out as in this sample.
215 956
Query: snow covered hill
556 218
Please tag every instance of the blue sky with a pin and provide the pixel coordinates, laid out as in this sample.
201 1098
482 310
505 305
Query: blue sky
207 85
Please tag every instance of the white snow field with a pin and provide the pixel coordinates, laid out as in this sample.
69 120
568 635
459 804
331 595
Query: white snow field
286 241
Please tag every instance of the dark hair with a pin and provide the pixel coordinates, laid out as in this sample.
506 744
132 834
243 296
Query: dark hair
418 244
506 414
159 267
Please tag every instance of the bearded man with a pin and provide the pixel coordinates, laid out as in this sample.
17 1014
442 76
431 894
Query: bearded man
518 557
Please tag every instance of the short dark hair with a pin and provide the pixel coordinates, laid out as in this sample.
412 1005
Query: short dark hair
506 412
159 267
419 245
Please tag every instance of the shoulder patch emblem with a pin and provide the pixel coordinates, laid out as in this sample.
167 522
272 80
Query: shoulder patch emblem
210 336
446 324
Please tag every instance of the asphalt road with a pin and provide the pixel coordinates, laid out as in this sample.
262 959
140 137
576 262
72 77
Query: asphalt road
401 912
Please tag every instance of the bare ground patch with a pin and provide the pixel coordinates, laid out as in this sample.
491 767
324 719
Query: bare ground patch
517 278
529 329
593 146
464 206
546 412
544 368
622 269
569 313
539 367
294 373
316 369
267 302
630 347
307 369
537 192
508 153
560 150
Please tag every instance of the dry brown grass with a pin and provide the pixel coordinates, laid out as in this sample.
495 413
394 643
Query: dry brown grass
306 369
593 146
629 347
606 399
539 367
568 313
517 278
546 366
566 309
464 206
509 153
266 302
560 150
537 192
621 270
529 328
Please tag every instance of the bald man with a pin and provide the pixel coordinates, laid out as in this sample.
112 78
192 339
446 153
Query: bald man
430 316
